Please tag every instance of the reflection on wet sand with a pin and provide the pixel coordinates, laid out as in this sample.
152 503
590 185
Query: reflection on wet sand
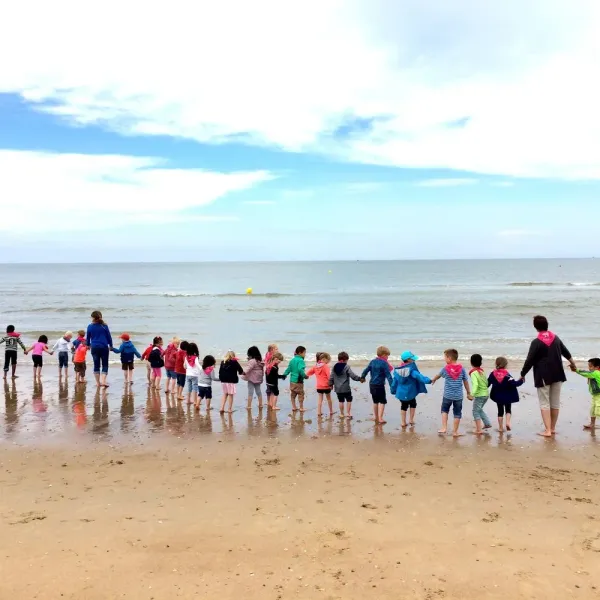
60 410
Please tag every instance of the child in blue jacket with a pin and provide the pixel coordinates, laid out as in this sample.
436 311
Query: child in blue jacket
408 383
128 352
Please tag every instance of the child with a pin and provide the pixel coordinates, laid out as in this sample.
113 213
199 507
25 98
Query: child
170 356
155 358
80 338
593 374
455 377
192 373
339 380
379 368
37 350
145 355
12 339
128 352
323 373
272 349
229 373
180 367
207 376
254 374
79 361
504 391
63 346
297 372
479 383
273 377
408 383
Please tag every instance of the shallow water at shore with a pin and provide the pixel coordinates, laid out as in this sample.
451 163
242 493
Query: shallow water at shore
64 413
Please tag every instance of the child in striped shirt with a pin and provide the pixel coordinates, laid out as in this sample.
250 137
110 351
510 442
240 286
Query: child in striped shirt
455 378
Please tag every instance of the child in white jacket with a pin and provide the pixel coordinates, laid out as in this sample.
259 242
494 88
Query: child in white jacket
192 372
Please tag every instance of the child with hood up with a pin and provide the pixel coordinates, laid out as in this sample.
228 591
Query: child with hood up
128 353
339 380
322 372
407 384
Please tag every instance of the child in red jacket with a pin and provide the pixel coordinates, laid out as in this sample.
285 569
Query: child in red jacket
322 372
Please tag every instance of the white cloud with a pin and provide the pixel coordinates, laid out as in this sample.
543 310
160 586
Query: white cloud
259 202
448 182
40 190
505 88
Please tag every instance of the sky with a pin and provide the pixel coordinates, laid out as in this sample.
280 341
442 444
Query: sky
299 130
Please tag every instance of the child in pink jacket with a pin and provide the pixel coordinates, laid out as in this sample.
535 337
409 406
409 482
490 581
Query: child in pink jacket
322 372
254 374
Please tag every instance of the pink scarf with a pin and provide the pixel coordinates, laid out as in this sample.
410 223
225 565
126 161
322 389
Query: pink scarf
454 370
500 374
547 337
14 334
209 370
191 359
475 369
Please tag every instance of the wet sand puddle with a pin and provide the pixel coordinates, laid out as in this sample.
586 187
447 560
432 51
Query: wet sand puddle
53 413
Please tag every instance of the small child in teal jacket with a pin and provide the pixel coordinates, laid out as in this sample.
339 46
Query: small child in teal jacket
408 383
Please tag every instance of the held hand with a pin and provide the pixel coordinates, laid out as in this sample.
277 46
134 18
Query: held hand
470 397
362 379
522 379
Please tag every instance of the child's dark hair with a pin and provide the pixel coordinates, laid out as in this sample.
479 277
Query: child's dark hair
10 329
451 353
300 350
343 356
318 356
192 349
501 362
476 361
157 340
97 317
208 361
540 323
595 362
184 345
43 339
254 353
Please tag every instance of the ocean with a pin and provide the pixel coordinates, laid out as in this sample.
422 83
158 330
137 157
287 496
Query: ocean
483 306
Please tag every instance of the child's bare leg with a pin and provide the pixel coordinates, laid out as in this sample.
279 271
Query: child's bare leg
320 405
260 400
330 404
375 413
412 415
230 397
444 428
508 421
500 424
293 399
222 409
14 371
301 404
592 424
250 398
456 426
349 410
403 418
382 421
342 409
478 427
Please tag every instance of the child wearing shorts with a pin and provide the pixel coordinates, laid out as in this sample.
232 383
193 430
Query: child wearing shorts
12 339
192 374
379 368
37 354
63 346
339 380
322 372
408 383
156 360
273 377
79 361
593 377
229 376
180 368
205 379
455 377
297 372
128 353
170 356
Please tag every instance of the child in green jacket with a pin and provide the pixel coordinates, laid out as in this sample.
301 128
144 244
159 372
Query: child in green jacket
297 372
593 375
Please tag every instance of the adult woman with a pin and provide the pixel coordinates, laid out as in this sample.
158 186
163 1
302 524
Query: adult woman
545 357
100 341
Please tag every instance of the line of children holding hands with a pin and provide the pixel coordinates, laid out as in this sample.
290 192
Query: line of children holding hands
184 369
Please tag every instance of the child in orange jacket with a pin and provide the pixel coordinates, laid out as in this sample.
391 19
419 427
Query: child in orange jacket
322 372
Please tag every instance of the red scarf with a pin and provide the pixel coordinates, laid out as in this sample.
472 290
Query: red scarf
478 369
191 359
547 337
500 374
386 361
454 370
13 334
209 370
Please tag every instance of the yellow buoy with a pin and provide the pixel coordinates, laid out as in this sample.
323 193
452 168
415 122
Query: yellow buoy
249 291
329 271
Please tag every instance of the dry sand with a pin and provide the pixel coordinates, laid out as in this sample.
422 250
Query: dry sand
133 501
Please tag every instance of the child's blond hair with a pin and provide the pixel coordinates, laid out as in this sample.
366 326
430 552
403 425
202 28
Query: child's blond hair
175 340
323 356
271 347
383 351
230 354
451 353
277 356
68 333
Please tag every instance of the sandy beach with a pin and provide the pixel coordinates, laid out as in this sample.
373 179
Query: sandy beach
115 496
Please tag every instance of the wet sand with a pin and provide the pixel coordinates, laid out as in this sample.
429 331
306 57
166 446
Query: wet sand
123 496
